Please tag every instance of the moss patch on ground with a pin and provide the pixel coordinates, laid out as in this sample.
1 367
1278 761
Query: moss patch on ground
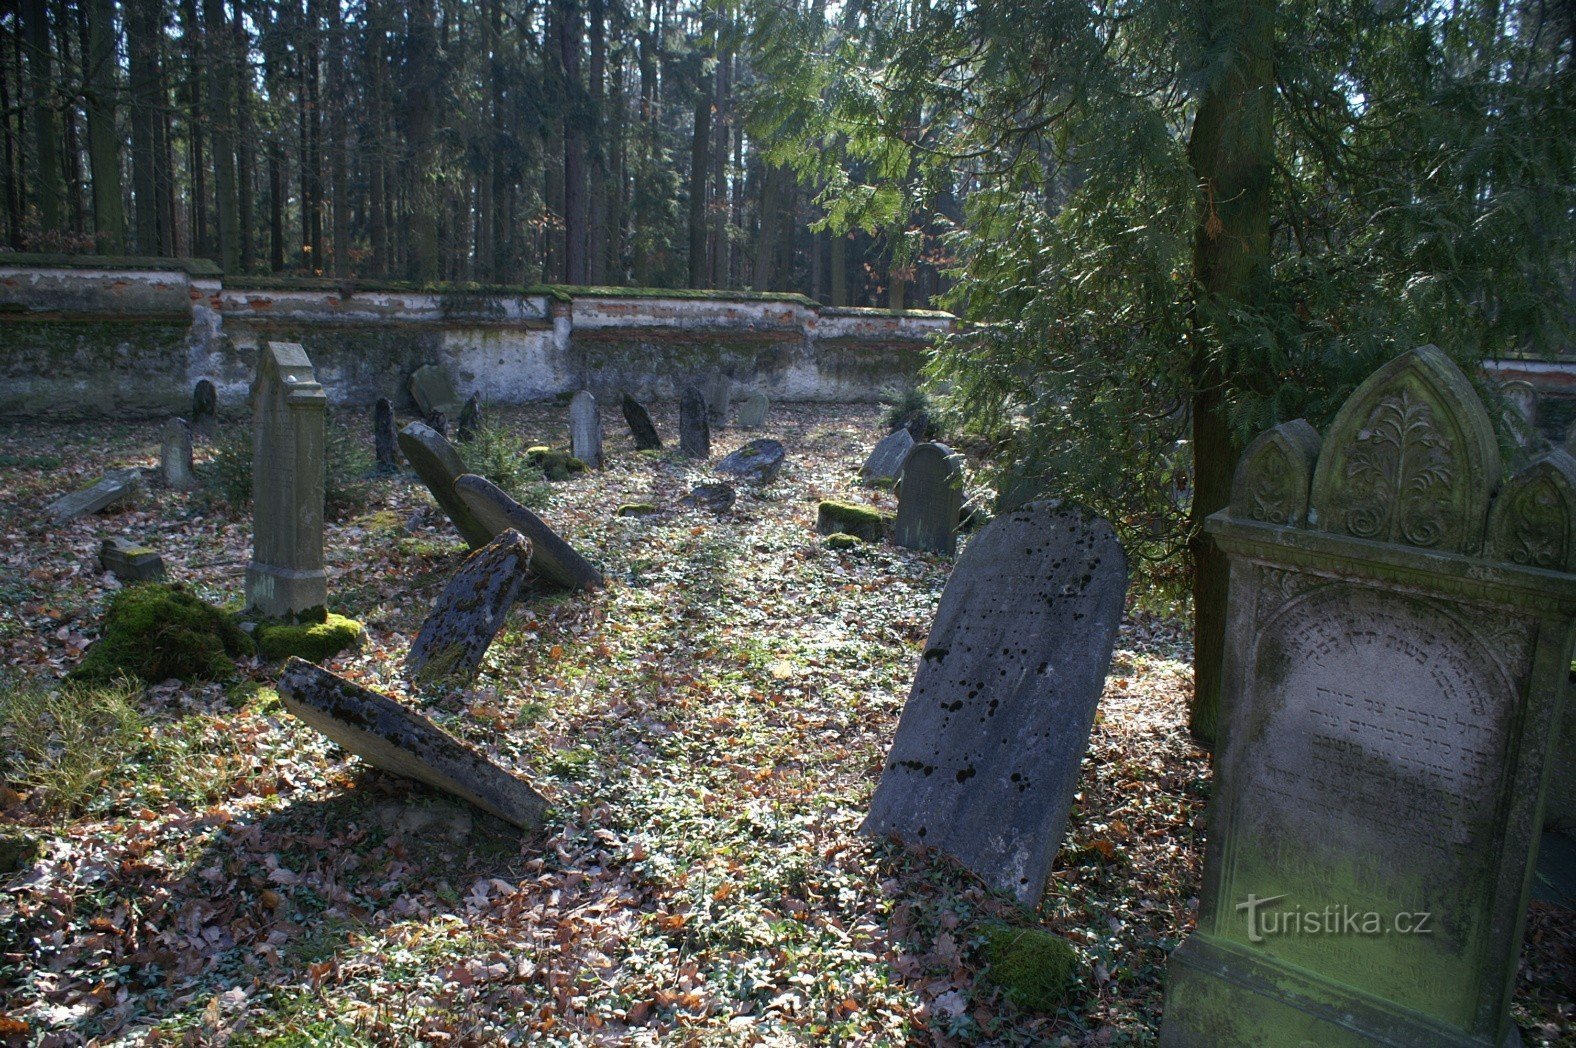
843 540
555 465
636 509
1034 968
862 522
156 631
313 641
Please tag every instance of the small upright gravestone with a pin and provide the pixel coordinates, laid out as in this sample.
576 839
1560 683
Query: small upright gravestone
551 557
439 466
640 427
286 578
384 440
1397 650
752 414
470 419
886 459
719 395
694 427
585 429
471 609
930 500
205 410
129 562
985 762
175 456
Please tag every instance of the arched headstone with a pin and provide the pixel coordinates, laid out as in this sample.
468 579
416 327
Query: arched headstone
930 500
439 466
384 440
205 409
694 426
175 456
585 429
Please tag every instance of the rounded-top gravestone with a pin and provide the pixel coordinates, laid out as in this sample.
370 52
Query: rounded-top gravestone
930 500
694 427
585 429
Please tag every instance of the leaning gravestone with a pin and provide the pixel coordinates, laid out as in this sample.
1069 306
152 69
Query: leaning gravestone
471 609
585 430
175 456
718 394
286 578
752 414
439 466
387 735
694 428
639 419
985 762
433 393
1396 654
758 462
886 459
930 501
110 488
551 557
383 439
205 409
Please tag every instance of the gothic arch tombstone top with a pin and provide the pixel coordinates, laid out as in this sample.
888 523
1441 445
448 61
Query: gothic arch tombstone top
1274 474
1410 459
1533 522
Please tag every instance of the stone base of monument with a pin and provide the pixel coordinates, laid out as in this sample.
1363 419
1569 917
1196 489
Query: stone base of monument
1220 995
286 594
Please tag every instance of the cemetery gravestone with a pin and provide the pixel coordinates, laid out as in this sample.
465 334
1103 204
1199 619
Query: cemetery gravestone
930 500
432 391
384 441
694 428
886 459
108 489
470 419
438 422
1521 410
718 498
471 609
439 466
286 578
205 409
585 429
551 557
986 758
1396 654
130 562
639 419
175 456
387 735
718 394
758 462
752 415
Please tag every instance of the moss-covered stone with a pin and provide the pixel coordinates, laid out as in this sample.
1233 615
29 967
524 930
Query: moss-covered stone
841 540
863 522
555 465
636 509
155 631
1034 969
312 641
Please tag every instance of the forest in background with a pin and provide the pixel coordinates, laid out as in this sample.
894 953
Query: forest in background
496 141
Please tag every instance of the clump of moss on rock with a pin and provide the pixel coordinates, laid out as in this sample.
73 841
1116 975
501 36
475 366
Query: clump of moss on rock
636 509
312 641
155 631
862 522
1034 969
841 540
555 465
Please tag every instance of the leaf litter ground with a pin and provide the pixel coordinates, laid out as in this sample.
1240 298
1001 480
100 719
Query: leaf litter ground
709 729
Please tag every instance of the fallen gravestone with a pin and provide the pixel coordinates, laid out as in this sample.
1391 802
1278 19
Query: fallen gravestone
286 578
758 462
718 498
551 557
175 456
470 419
639 419
719 396
986 757
108 489
694 428
404 743
886 459
439 466
930 500
384 440
585 430
1396 652
205 410
471 609
130 562
752 414
433 393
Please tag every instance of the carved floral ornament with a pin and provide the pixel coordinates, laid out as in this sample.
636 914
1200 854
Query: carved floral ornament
1411 459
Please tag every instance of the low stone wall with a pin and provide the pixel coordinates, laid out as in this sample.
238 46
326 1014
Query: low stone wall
91 337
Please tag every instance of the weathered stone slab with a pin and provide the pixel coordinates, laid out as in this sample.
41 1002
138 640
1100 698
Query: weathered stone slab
286 578
205 410
645 434
551 557
694 426
108 489
175 456
930 500
470 419
471 609
886 459
433 391
986 758
585 430
130 562
718 498
1396 654
758 462
752 413
404 743
439 466
384 441
719 396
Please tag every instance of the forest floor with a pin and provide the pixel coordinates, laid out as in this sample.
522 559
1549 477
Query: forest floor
708 728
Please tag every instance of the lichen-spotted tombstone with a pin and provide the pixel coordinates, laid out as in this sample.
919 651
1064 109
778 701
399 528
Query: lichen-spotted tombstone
286 578
930 499
471 609
585 429
986 757
694 427
1397 650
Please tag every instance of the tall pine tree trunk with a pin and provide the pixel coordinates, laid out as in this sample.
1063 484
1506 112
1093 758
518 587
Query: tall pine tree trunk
338 161
700 145
597 205
421 76
576 210
109 212
49 177
143 24
221 129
